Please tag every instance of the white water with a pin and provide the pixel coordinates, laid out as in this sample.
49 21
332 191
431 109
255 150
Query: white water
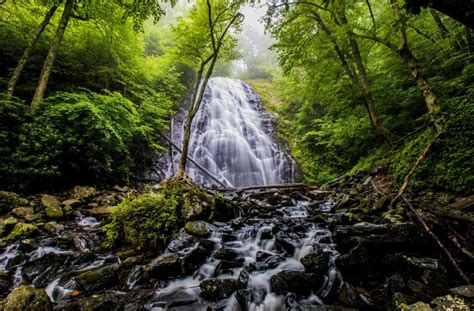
248 243
231 137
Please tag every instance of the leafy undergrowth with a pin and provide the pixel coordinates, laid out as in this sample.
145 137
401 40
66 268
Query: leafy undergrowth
151 219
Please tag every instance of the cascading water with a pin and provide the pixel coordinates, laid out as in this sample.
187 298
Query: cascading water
232 139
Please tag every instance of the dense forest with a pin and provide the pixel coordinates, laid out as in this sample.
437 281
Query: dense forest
142 141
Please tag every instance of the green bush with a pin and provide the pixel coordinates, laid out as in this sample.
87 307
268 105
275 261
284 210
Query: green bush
80 138
146 221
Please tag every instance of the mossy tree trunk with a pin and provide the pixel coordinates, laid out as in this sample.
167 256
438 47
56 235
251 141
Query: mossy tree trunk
26 53
51 57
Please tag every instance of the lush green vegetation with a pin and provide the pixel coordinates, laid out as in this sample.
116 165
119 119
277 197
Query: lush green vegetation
323 111
357 86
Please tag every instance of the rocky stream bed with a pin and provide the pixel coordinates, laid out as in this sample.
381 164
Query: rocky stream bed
270 249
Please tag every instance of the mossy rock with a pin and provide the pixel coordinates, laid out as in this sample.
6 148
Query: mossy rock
9 201
83 192
27 298
25 212
52 206
22 230
198 228
53 227
7 224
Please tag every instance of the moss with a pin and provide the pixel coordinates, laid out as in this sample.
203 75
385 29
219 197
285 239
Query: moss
151 219
22 230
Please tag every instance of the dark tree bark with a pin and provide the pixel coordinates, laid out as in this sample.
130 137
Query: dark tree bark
50 58
364 80
26 53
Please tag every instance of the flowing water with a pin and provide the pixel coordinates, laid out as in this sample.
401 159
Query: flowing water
233 139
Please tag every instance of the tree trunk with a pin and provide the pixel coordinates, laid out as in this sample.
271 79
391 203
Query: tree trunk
201 88
26 53
364 80
425 87
439 23
53 51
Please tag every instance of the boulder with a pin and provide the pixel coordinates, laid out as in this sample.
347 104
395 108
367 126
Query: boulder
163 266
316 263
7 224
217 288
83 192
71 202
26 298
98 278
197 228
22 230
10 200
297 282
52 206
228 254
449 303
53 227
100 211
193 207
465 291
25 212
192 260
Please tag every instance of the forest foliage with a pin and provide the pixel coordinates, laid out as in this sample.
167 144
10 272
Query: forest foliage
322 112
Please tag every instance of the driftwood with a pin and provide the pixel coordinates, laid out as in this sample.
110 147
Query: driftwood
194 162
436 240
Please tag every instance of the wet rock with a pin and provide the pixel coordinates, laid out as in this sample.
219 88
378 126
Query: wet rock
418 306
243 297
449 303
98 278
27 245
297 282
349 296
466 291
53 227
10 200
72 203
181 242
133 307
100 211
198 228
228 254
420 262
217 288
22 231
192 260
194 207
163 266
52 206
25 212
6 225
83 192
358 255
26 298
316 263
108 300
285 242
208 245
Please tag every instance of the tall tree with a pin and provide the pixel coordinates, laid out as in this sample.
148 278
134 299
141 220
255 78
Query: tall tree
205 35
51 57
402 49
15 77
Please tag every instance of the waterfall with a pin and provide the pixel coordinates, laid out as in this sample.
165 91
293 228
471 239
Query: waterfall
233 139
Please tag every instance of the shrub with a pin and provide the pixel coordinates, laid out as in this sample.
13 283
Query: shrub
77 138
146 221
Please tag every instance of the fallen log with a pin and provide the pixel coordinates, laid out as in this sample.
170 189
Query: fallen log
276 186
436 240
